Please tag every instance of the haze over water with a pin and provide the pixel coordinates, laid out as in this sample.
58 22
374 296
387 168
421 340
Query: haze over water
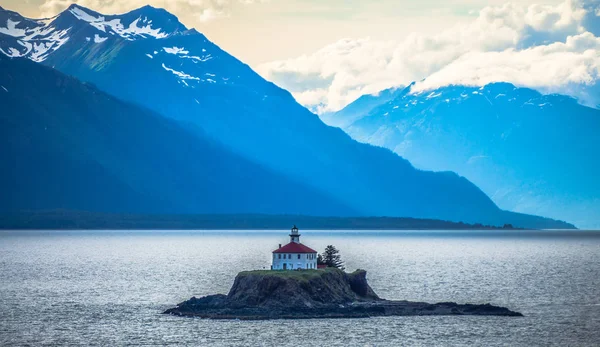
109 287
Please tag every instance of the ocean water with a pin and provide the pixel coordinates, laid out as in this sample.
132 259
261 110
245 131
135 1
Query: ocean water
108 288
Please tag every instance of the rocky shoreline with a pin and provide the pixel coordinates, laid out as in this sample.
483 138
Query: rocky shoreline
304 294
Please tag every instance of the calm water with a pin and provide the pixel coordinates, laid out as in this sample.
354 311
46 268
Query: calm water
108 288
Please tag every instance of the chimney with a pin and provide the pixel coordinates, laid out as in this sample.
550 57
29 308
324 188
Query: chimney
280 245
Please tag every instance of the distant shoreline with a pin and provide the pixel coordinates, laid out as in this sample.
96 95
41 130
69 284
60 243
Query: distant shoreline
73 220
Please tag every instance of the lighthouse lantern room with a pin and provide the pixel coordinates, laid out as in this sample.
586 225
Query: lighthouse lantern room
294 255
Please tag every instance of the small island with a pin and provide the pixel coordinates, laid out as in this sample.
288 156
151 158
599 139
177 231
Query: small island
297 287
326 293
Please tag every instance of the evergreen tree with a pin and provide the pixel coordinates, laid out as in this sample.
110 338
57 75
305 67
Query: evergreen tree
331 257
320 260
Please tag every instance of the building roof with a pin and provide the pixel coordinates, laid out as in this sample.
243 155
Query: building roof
294 247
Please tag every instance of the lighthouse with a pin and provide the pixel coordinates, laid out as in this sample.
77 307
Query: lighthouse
294 236
294 255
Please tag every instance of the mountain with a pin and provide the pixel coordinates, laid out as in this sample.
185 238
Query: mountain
360 107
65 144
38 39
180 74
530 152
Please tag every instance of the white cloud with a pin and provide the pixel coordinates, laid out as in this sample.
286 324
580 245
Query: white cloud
551 48
562 67
202 10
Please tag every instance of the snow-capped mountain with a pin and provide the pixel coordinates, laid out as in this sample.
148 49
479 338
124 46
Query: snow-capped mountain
530 152
147 57
79 32
37 39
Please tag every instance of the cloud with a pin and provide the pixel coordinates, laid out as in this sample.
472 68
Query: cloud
551 48
201 10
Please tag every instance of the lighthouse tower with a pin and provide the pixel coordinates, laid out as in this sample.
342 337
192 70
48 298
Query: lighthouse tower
294 236
294 255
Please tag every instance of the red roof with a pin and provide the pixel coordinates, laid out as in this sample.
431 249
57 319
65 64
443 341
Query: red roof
294 247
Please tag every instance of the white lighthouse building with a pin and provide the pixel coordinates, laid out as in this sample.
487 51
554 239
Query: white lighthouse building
294 255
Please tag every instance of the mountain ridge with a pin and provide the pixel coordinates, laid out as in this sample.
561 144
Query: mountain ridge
190 79
68 145
522 147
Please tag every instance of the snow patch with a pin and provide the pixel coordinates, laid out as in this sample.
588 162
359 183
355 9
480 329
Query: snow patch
49 45
12 30
99 39
183 53
3 87
40 31
145 30
200 59
40 50
28 47
13 53
180 74
87 39
84 16
175 50
433 95
150 56
116 26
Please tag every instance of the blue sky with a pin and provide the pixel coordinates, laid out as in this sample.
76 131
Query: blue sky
329 52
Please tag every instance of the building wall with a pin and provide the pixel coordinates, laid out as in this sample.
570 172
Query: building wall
294 261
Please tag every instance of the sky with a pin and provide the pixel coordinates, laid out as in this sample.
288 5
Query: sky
330 52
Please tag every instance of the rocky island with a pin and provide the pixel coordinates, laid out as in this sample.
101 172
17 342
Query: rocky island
325 293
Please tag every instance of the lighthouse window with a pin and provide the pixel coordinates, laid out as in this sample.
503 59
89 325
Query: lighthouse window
279 256
298 256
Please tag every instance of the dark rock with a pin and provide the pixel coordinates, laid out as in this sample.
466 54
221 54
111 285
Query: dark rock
329 293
